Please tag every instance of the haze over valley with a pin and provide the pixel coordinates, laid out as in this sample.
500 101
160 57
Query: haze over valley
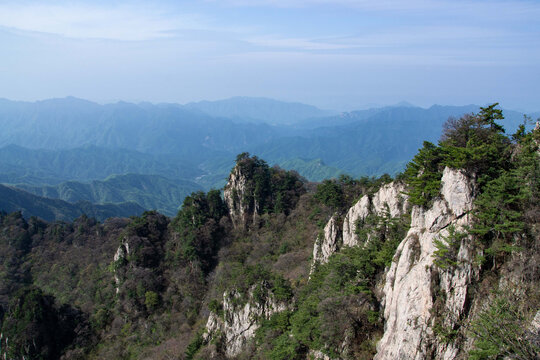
76 150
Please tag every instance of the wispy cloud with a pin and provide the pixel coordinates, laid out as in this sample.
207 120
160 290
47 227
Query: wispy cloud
358 4
398 5
197 49
117 22
300 44
480 10
376 60
453 44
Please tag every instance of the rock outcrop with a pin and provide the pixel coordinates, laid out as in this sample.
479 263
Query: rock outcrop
138 259
420 299
419 295
237 195
237 323
327 242
390 199
254 188
120 257
317 355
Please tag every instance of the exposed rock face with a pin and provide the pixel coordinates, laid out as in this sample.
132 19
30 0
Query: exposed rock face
239 322
235 194
317 355
121 255
360 210
415 285
390 198
534 330
327 242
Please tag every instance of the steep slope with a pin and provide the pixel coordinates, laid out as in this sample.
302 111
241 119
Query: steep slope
415 285
53 280
428 272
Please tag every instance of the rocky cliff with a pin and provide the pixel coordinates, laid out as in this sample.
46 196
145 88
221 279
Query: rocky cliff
239 199
239 316
390 200
441 263
426 294
255 188
419 295
327 242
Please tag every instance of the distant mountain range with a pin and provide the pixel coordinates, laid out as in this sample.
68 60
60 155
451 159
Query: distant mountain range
152 192
12 199
259 110
43 166
67 148
370 142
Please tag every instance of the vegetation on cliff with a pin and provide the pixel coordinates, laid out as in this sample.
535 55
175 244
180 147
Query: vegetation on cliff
144 287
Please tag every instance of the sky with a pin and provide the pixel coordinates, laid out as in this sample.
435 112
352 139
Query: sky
335 54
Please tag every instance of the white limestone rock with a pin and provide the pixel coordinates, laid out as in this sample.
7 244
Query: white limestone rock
317 355
234 193
357 212
457 190
121 254
326 243
239 323
390 198
413 282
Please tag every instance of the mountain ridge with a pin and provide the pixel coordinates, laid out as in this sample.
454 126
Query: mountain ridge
13 199
444 258
361 143
150 192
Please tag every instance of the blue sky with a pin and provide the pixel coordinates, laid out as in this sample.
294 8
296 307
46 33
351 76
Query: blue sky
340 54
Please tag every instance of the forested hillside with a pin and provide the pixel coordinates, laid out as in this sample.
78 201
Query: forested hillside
12 199
149 191
51 167
260 110
440 262
74 139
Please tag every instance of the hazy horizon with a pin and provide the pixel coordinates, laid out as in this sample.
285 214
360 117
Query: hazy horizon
360 107
340 55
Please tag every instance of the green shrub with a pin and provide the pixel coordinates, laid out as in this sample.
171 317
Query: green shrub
216 307
101 318
500 331
151 300
330 194
195 345
423 174
447 248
